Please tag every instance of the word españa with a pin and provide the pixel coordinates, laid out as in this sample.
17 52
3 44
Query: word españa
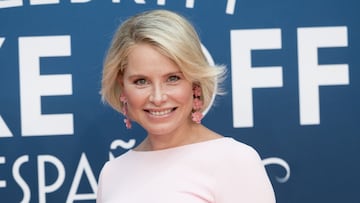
46 187
230 5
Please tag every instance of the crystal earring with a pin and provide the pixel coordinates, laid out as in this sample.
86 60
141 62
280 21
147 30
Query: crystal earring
127 120
196 114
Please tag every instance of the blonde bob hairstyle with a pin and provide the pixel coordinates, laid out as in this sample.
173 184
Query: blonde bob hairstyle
173 36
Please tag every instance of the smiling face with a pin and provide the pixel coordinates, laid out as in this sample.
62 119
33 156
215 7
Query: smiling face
159 97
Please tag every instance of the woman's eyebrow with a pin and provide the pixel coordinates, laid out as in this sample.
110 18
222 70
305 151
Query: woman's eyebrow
174 73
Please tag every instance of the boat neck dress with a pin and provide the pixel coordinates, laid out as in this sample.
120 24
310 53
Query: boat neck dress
222 170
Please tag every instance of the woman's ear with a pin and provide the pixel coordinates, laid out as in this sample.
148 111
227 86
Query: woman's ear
120 80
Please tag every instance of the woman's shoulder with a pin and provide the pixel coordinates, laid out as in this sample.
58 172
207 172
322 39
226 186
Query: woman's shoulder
226 145
231 149
114 162
230 144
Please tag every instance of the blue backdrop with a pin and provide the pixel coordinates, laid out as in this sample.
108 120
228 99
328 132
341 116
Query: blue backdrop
292 93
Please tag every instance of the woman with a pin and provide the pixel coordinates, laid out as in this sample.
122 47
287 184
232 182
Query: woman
156 75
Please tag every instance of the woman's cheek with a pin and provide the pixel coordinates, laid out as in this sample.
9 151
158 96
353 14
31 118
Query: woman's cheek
137 98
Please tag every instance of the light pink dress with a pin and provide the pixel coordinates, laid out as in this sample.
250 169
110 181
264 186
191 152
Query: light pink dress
217 171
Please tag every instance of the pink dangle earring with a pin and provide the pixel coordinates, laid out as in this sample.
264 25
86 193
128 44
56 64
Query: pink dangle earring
125 111
196 114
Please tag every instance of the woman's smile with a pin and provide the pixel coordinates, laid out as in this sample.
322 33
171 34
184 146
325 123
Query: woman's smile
160 112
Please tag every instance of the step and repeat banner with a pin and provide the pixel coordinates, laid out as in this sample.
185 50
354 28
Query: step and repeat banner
293 90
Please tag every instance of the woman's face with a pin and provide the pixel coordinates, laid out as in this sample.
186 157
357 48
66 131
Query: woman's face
159 97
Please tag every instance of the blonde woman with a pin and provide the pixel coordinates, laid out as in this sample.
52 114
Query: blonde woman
156 74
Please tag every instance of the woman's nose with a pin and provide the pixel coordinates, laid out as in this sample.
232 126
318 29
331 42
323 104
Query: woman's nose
158 95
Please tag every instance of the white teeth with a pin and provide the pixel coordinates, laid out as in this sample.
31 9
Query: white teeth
160 113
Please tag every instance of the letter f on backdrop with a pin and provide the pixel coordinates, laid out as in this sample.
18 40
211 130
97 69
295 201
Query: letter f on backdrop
244 77
312 75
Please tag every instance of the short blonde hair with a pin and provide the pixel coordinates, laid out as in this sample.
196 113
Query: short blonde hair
172 35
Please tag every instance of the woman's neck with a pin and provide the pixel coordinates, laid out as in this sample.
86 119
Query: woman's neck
195 133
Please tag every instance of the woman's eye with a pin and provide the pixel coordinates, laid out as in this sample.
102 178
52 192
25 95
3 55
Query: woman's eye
140 82
173 78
